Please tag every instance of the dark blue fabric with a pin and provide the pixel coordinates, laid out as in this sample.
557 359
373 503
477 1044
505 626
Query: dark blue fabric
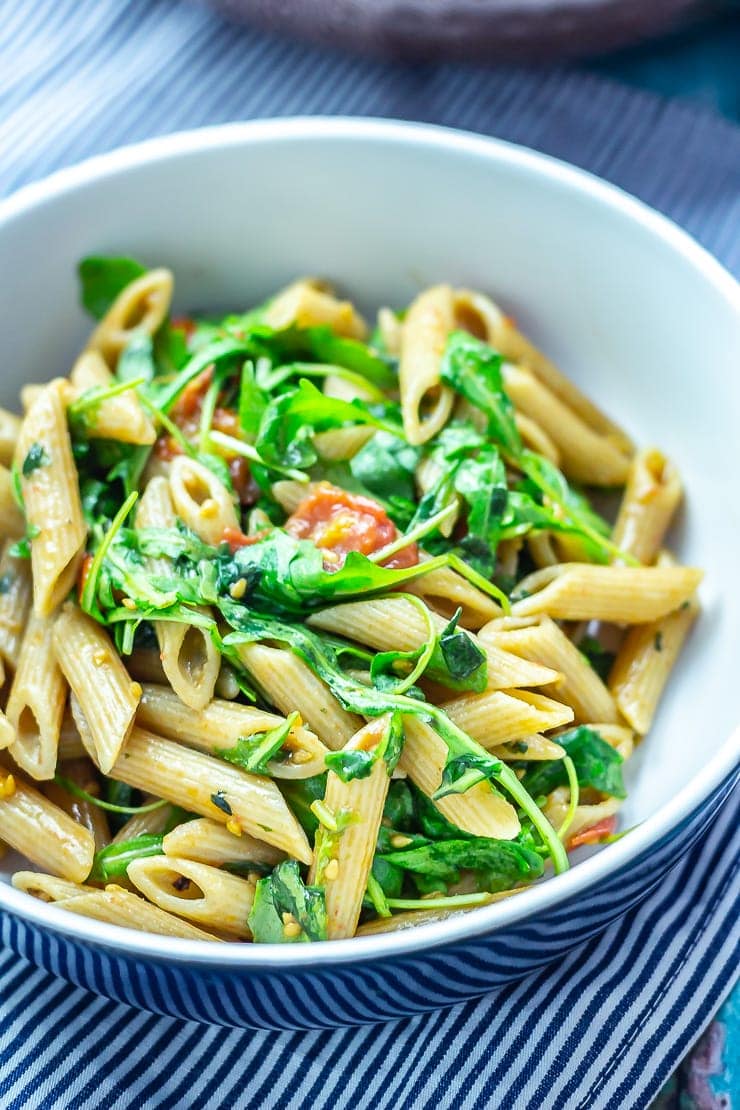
605 1026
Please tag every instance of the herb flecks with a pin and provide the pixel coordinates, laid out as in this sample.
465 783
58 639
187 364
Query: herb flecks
36 456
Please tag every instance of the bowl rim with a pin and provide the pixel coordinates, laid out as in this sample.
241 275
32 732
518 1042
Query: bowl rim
556 889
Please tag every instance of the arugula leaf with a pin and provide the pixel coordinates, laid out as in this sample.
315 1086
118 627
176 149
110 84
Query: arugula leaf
399 805
473 369
386 466
597 765
136 361
283 892
457 662
300 794
600 659
497 864
103 278
290 422
36 456
254 753
112 861
326 346
252 402
357 764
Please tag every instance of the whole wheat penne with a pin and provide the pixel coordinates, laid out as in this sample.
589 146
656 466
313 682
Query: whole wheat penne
221 724
496 716
120 417
290 684
196 891
37 700
152 823
52 498
625 595
15 602
479 810
140 308
208 842
536 438
70 741
651 497
117 906
49 888
425 403
85 813
540 640
201 500
584 817
395 624
341 443
187 653
99 681
445 591
342 861
211 787
310 302
528 749
12 520
43 832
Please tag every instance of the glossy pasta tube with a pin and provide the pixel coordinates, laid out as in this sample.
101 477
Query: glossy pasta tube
117 906
43 832
196 891
395 624
140 308
222 723
390 329
102 688
206 841
479 810
541 640
15 602
342 862
425 403
585 455
496 717
339 444
121 418
48 888
52 499
70 741
291 685
201 501
536 438
12 520
90 816
644 663
479 315
651 497
625 595
37 699
188 655
10 426
139 824
585 816
193 780
311 302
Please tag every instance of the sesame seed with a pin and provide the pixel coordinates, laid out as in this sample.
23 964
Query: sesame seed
301 756
292 929
136 690
287 918
234 827
331 871
399 841
128 603
238 589
100 657
7 790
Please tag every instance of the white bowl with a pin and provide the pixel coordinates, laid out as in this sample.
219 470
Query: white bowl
640 316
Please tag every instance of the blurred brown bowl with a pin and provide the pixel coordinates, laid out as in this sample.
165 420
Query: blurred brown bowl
500 30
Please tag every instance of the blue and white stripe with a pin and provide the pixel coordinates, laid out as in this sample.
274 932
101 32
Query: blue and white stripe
606 1023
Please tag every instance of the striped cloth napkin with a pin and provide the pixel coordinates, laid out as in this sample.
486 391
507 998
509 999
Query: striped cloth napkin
605 1027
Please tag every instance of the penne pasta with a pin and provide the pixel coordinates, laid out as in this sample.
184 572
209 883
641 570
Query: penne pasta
206 841
540 640
52 499
15 602
193 780
198 892
104 696
651 497
187 654
49 888
121 417
10 426
625 595
497 717
425 403
152 823
310 303
139 309
342 861
117 906
222 724
43 832
37 700
91 817
201 501
528 749
12 521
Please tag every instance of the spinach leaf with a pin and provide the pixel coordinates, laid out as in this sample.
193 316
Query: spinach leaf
386 466
498 864
112 861
600 659
457 662
254 753
597 765
399 805
103 278
283 892
358 764
326 346
252 402
473 369
300 794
